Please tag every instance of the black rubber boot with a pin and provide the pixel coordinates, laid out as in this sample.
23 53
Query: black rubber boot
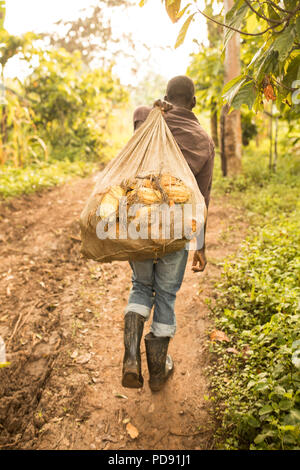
132 370
160 364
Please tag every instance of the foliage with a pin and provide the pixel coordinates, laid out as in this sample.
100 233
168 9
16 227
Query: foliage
40 175
24 144
11 45
249 128
274 32
207 71
62 111
257 307
255 378
265 194
71 105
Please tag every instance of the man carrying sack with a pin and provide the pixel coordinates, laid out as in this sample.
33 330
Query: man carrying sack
155 282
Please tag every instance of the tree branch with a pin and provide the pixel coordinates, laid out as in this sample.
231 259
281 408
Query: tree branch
285 20
269 2
284 86
269 20
235 29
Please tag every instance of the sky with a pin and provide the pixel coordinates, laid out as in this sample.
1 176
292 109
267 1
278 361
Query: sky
149 24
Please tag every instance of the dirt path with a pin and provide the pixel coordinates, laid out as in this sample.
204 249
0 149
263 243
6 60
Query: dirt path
62 320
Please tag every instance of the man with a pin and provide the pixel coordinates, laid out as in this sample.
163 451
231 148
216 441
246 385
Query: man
156 283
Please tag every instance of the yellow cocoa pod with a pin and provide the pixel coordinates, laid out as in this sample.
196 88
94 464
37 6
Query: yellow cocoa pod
147 184
132 197
177 193
117 192
167 180
109 205
149 196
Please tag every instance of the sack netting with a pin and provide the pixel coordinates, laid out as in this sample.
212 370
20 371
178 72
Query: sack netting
149 177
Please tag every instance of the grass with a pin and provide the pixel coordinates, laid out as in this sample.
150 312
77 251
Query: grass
261 191
17 181
255 378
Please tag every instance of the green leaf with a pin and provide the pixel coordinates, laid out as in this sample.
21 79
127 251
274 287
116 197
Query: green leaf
266 64
245 95
265 410
284 42
273 13
234 18
231 88
292 72
289 4
285 405
298 28
261 437
183 31
253 422
293 417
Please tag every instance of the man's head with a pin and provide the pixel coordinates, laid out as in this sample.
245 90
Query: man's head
181 92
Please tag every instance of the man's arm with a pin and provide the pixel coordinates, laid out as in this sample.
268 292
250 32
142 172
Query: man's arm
141 113
204 180
199 261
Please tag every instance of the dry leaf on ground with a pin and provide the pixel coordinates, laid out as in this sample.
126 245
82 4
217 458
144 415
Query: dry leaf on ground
218 335
132 431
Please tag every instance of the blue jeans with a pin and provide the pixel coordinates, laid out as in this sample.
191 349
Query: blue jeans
156 284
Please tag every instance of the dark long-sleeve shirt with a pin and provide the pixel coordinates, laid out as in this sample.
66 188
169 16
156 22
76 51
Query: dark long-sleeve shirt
194 142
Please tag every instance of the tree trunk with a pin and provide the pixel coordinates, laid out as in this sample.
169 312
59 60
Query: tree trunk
4 136
222 146
214 124
232 129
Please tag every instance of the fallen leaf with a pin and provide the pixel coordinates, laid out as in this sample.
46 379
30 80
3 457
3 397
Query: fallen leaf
232 350
151 408
126 421
132 431
119 395
218 335
74 354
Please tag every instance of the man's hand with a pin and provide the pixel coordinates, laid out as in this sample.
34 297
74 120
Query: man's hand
199 261
165 106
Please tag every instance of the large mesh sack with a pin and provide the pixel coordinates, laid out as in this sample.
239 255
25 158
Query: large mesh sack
149 177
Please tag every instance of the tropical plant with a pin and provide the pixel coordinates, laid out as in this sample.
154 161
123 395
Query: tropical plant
72 105
273 28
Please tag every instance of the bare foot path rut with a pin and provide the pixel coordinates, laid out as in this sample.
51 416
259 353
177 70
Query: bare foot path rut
62 320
